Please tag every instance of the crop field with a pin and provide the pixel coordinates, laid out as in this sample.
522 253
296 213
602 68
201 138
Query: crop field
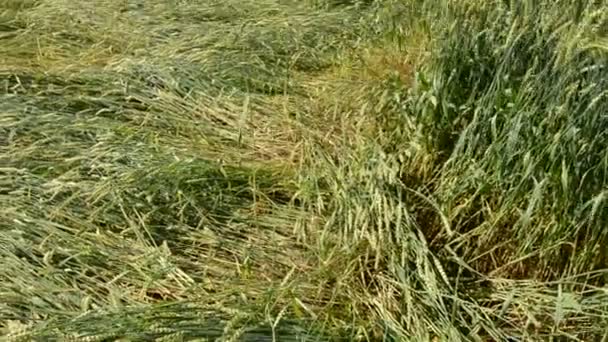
304 170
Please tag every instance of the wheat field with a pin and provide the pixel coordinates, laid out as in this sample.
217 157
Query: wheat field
312 170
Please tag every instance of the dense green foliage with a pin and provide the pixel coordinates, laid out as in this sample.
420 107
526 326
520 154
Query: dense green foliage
278 170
